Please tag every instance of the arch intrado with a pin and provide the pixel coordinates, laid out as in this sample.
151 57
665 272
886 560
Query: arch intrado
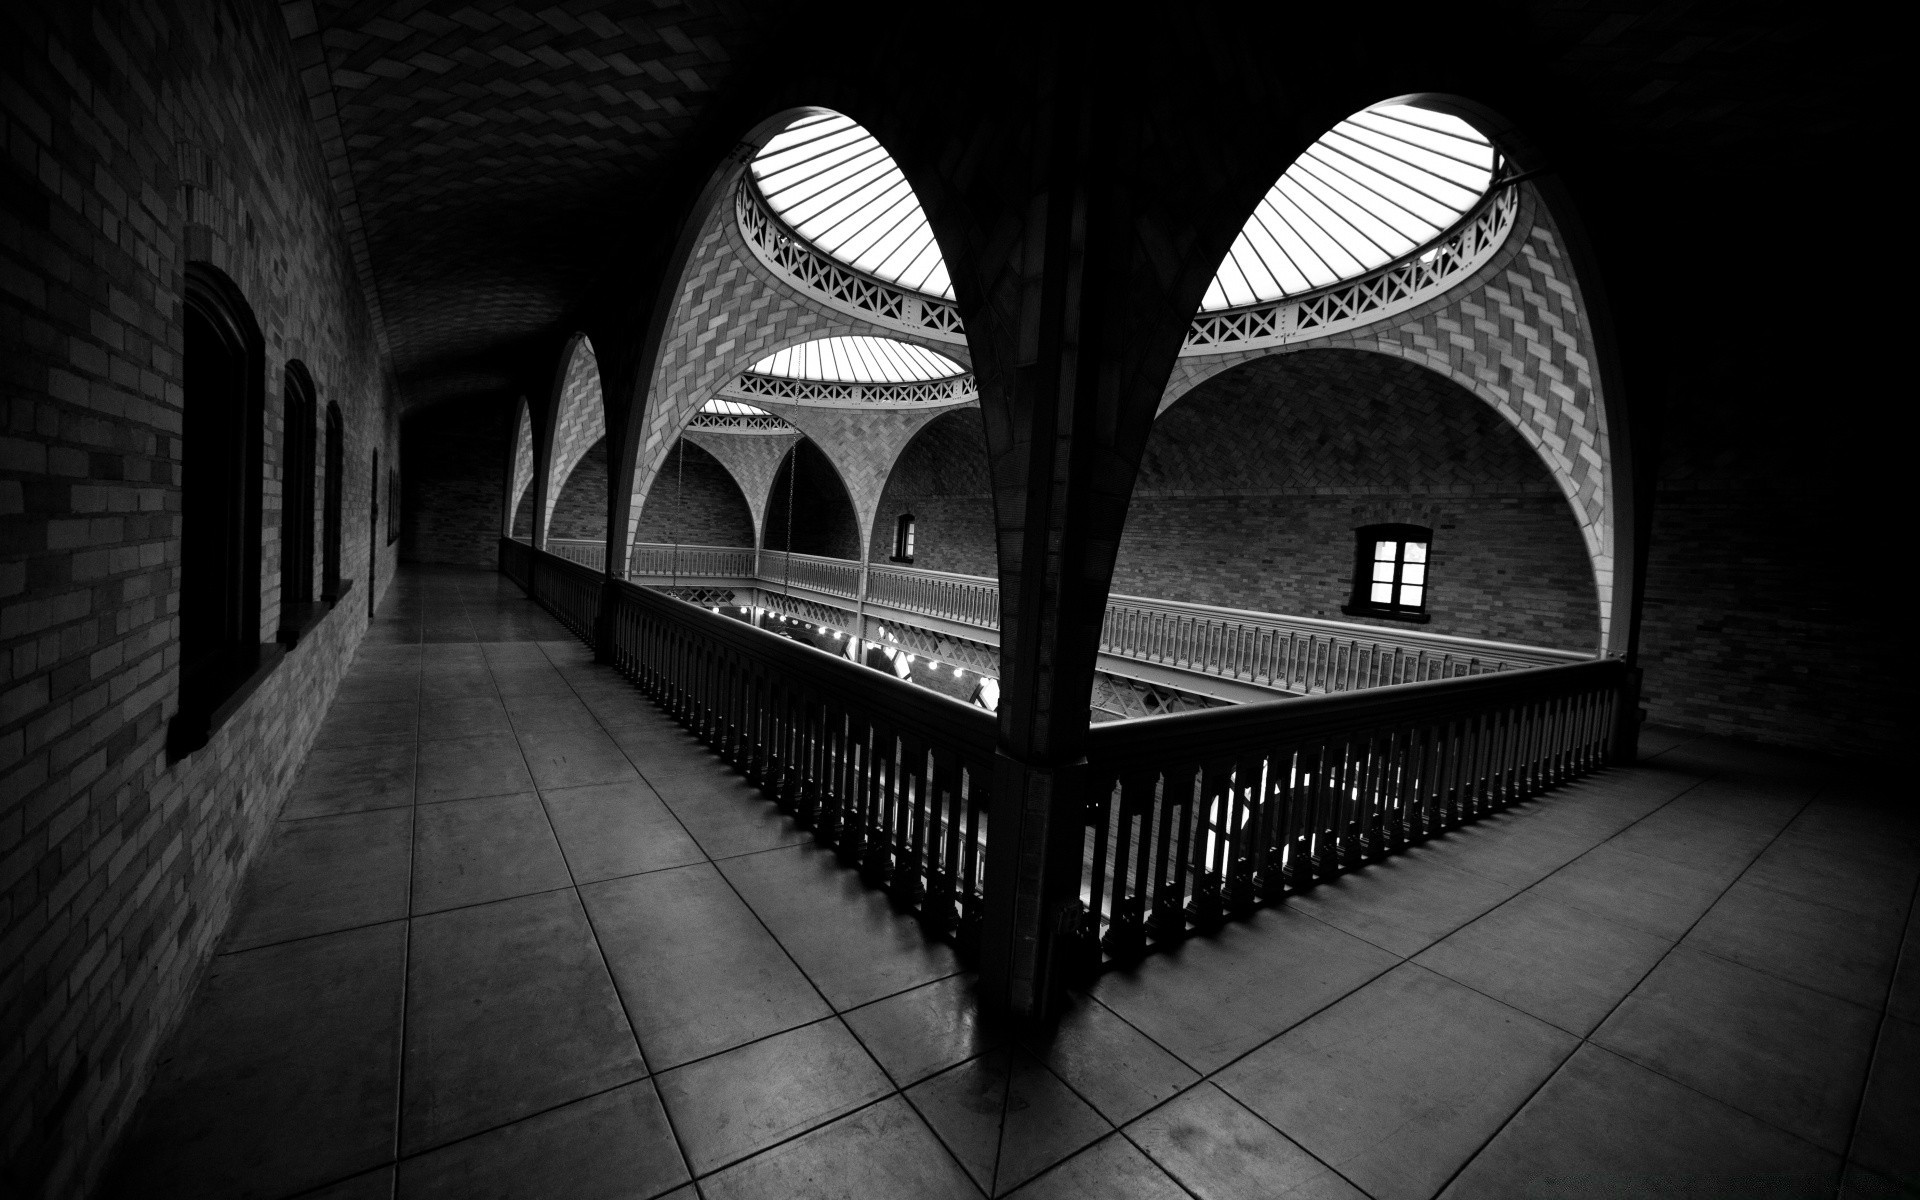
728 311
953 445
521 477
1519 336
819 493
579 420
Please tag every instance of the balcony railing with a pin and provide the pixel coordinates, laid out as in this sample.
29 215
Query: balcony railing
586 552
1301 655
1202 816
1189 820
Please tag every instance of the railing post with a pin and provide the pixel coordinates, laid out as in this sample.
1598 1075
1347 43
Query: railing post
1037 826
1625 748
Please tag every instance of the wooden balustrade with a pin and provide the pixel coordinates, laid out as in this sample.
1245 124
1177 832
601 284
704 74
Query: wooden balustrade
971 599
585 551
834 576
893 776
516 561
700 562
1201 816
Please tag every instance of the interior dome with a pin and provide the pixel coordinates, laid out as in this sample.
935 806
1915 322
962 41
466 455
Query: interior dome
1374 188
858 360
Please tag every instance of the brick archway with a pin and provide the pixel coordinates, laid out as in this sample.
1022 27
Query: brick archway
579 421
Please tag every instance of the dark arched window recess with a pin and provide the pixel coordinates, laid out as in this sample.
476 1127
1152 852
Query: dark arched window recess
300 425
222 447
1391 573
903 539
332 491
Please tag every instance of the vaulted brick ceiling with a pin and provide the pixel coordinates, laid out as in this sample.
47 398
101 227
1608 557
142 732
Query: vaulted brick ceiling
487 158
491 152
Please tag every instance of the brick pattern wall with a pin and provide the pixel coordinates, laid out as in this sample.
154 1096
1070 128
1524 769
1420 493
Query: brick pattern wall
142 136
522 464
942 479
454 455
729 313
581 509
753 459
1252 484
580 422
696 501
823 516
863 445
1517 336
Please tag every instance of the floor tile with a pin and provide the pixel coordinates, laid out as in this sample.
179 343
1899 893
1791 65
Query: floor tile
928 1029
1517 852
1789 1055
1603 1127
1888 1136
326 874
697 971
1403 904
465 716
376 687
736 1104
1112 1065
1845 954
1110 1169
849 939
547 710
724 813
1400 1083
1220 1150
1562 964
367 724
221 1118
509 1012
1006 1117
1212 999
352 779
1704 841
575 758
1903 998
528 679
882 1152
463 768
376 1184
1649 894
613 829
472 851
614 1145
1805 867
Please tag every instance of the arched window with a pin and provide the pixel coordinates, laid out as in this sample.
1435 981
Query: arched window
332 586
220 507
1390 576
299 419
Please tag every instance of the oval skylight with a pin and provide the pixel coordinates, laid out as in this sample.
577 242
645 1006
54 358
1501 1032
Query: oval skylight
858 360
1385 181
833 182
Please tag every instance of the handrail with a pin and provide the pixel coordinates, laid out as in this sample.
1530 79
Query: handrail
895 777
1300 655
700 562
588 552
1196 817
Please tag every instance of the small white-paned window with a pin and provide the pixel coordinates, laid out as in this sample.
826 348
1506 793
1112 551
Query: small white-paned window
1391 575
903 539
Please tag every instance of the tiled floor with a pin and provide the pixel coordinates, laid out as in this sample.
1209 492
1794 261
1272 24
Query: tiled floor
519 936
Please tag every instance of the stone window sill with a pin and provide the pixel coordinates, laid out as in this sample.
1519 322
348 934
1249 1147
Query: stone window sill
1386 614
197 720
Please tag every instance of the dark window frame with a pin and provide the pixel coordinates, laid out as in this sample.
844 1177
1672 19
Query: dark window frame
222 483
333 516
299 610
904 535
1360 602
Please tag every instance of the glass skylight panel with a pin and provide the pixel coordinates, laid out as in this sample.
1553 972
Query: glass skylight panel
858 360
731 408
837 186
1374 188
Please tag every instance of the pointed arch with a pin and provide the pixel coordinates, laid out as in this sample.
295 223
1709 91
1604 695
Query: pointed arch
824 519
579 421
520 475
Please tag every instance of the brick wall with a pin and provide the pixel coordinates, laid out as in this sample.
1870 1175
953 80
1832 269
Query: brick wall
142 136
580 421
696 501
942 479
522 465
1253 483
580 507
823 520
454 456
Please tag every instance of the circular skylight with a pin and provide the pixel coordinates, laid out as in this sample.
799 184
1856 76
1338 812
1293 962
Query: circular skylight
834 183
732 408
858 360
1384 182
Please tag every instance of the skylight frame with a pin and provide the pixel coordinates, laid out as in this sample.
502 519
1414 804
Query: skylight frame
858 358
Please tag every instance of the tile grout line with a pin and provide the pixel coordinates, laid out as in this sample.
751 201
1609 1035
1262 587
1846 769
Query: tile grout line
1879 1036
1586 1039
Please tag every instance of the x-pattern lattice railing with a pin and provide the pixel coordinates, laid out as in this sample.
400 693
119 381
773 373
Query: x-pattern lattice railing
799 261
740 422
957 389
1393 288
